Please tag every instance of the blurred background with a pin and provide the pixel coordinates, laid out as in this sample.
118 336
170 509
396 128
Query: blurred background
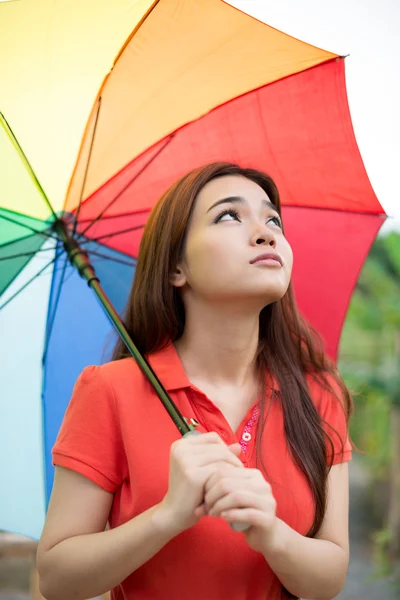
370 364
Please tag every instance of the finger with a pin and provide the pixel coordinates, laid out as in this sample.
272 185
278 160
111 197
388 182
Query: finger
249 516
237 499
200 511
214 481
235 448
212 470
210 437
228 472
214 455
253 477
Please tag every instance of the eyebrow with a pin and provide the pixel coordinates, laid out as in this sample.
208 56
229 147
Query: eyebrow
241 200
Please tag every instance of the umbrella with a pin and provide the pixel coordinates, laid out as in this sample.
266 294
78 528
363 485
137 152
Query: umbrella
195 82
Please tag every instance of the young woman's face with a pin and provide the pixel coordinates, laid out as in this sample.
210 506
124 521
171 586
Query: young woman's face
233 224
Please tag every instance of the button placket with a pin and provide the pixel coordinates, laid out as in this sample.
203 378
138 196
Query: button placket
247 433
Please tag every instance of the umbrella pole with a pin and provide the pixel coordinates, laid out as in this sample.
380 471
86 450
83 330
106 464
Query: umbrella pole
80 260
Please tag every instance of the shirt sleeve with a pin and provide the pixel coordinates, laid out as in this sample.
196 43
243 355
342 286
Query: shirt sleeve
89 441
330 404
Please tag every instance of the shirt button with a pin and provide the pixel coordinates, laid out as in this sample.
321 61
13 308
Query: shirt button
246 437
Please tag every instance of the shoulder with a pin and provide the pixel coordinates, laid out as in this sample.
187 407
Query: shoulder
107 385
119 383
125 374
112 373
125 367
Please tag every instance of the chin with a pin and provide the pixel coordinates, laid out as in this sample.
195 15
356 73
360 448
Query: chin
272 293
259 299
269 298
257 296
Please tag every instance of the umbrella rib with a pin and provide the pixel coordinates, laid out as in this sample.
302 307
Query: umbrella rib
25 253
15 222
51 320
112 234
31 280
20 239
86 168
111 258
25 161
120 215
167 141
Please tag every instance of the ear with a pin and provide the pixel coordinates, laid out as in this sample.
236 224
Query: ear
178 278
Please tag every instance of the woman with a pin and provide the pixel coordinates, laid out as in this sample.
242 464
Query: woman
212 308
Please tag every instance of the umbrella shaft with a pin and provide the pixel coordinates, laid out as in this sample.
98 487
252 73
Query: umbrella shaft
115 319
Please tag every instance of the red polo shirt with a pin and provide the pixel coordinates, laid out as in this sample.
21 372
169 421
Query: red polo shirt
117 433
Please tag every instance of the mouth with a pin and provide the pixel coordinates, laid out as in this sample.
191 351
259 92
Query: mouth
269 259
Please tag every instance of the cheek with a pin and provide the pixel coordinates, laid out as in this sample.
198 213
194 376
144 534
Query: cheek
285 250
211 265
209 254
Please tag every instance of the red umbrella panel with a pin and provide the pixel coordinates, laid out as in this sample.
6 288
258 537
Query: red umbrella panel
299 131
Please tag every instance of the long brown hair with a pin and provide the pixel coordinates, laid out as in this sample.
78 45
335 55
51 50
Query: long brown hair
288 347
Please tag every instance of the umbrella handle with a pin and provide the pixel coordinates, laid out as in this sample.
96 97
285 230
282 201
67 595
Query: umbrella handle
235 526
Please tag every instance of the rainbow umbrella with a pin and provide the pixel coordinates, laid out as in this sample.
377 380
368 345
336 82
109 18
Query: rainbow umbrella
194 82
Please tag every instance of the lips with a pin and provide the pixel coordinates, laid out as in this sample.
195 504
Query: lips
267 256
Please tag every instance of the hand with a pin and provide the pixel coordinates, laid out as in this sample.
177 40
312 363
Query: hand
243 496
193 460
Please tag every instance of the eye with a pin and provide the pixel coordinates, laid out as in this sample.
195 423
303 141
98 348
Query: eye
229 211
276 220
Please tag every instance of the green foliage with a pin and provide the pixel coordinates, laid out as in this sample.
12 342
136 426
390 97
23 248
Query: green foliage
381 542
370 429
370 364
375 305
371 336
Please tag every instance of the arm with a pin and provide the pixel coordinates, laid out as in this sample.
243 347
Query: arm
310 568
76 558
315 568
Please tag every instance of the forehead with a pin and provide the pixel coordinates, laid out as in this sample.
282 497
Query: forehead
229 185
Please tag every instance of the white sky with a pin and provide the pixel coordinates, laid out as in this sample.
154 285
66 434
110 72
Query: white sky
367 30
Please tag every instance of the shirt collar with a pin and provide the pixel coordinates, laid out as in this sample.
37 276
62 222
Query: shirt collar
169 369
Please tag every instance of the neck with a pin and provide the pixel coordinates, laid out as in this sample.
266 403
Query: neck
219 343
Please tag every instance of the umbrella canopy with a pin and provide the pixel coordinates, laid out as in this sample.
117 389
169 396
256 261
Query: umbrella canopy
195 82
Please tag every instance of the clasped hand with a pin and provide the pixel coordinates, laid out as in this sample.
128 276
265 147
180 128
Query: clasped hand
207 478
242 495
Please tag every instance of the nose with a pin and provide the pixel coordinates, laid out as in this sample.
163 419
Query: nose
263 236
